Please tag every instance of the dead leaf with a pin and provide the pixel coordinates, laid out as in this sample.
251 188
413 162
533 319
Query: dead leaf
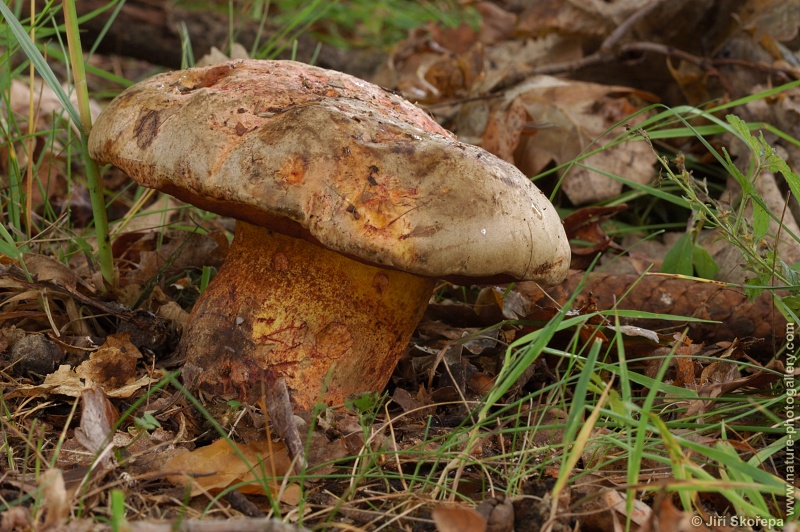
16 518
598 501
507 122
665 516
323 453
723 377
777 19
65 381
578 114
216 56
146 253
576 19
113 365
497 24
55 501
638 516
98 417
173 313
453 518
225 463
48 269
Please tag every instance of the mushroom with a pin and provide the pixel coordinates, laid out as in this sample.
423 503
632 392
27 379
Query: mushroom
350 203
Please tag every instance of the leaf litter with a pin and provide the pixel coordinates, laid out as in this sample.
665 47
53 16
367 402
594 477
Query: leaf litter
537 86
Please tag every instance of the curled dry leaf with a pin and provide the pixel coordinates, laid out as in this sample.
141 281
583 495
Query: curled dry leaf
497 24
146 253
774 19
98 417
113 367
45 101
575 19
225 463
665 516
723 377
602 507
506 124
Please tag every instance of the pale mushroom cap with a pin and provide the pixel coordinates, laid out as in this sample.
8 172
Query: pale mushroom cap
324 156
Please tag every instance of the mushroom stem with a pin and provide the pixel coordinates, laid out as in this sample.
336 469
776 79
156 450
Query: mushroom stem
281 307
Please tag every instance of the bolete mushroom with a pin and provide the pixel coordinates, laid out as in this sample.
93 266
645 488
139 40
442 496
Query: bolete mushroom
350 202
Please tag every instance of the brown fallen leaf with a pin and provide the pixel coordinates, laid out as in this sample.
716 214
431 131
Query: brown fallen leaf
723 377
576 19
453 518
597 499
98 417
16 518
49 269
113 365
65 381
497 24
504 129
578 114
224 464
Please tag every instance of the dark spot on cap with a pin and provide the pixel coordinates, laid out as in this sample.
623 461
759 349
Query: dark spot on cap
352 210
146 128
373 170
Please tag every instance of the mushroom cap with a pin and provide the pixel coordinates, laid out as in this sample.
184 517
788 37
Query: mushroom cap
330 158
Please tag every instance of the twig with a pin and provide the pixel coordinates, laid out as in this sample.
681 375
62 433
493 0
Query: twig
611 41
